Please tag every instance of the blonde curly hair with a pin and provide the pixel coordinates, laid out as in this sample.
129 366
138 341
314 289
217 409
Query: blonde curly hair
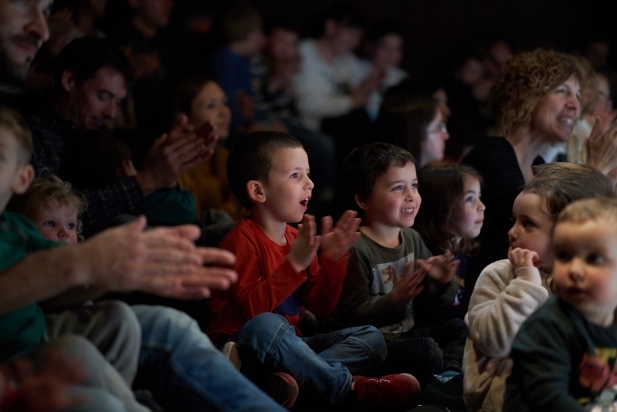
50 191
523 81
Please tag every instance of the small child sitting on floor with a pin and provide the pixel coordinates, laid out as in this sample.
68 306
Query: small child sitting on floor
391 268
564 356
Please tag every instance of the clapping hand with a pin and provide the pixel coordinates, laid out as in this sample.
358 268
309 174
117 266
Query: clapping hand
336 243
305 246
408 285
442 268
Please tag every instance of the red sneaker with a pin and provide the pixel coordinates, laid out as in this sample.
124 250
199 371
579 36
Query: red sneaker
283 388
401 390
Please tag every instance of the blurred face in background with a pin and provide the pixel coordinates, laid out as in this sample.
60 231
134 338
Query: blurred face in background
342 38
388 51
433 147
211 105
441 98
282 45
156 13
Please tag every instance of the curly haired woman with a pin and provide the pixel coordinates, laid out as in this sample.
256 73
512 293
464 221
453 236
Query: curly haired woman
536 101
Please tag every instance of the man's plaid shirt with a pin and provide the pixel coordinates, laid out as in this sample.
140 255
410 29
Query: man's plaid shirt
50 132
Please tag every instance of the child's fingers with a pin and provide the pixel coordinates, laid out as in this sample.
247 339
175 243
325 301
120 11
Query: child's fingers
316 242
347 221
422 264
407 269
310 223
326 225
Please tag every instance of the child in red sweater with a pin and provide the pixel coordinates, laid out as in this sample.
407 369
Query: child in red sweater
280 276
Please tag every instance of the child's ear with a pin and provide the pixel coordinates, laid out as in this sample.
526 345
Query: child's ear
256 192
361 203
23 179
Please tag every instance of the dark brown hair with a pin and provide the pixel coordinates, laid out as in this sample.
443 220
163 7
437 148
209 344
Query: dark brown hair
443 194
251 159
365 164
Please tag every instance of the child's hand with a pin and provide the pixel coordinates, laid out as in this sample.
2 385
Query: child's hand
335 243
522 265
441 268
408 285
305 246
522 258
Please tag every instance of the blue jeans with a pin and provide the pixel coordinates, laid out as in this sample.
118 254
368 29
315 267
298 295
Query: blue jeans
185 372
323 363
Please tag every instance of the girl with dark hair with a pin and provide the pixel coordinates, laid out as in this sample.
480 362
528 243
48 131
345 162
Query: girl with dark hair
450 218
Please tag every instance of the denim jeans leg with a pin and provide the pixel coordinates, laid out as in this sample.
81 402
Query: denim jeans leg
185 372
269 344
361 349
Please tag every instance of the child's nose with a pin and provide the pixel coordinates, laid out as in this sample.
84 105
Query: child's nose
482 208
511 234
575 270
63 233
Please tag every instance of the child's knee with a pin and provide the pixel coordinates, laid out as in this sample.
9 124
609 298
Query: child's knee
122 319
374 339
262 328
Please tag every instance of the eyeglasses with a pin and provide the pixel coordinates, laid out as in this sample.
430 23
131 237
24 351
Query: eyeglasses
441 128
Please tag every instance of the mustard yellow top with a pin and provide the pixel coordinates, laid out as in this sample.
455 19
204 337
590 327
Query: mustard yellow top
208 183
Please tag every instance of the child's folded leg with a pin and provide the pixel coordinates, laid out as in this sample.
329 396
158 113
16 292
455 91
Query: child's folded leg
268 343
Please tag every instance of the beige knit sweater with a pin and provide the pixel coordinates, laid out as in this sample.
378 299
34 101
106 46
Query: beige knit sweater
499 305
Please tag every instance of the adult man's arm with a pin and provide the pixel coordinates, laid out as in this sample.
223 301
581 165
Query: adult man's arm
162 261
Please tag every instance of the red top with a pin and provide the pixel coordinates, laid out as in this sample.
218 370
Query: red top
268 283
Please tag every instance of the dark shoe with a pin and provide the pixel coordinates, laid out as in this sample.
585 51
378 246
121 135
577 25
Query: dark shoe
230 351
283 388
445 389
398 391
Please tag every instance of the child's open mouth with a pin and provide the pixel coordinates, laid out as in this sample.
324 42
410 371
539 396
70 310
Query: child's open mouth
408 211
305 202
